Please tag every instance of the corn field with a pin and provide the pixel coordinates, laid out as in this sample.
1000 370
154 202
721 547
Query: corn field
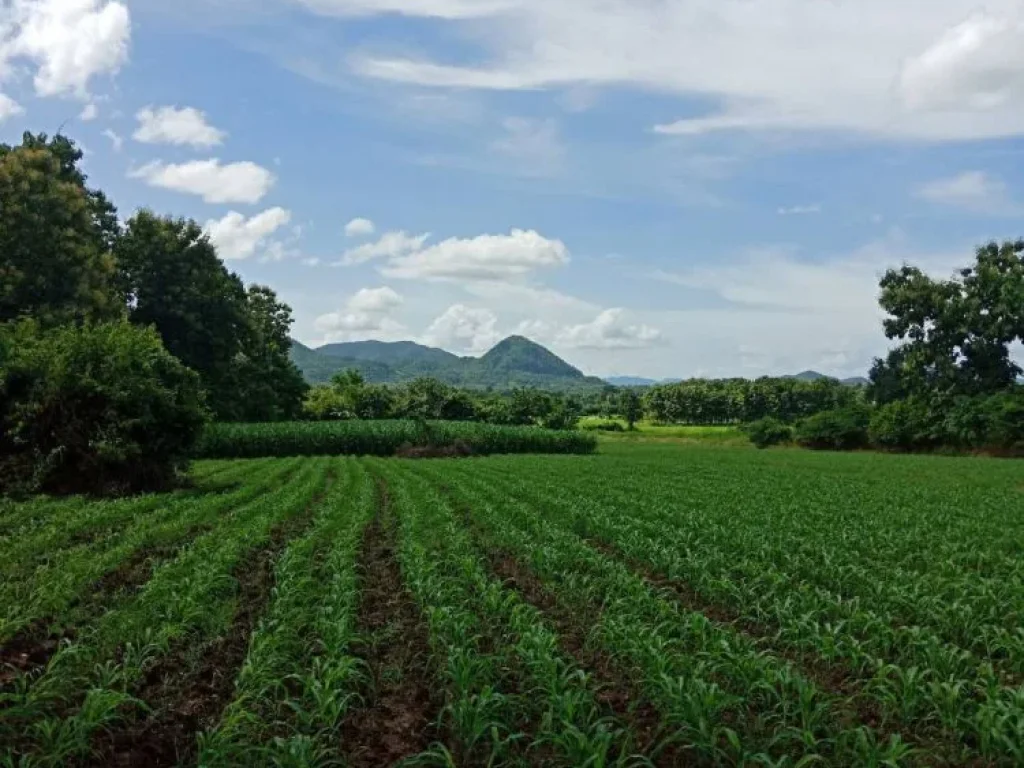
653 605
381 438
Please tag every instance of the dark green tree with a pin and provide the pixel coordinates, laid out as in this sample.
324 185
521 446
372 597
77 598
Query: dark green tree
956 334
55 236
631 407
174 281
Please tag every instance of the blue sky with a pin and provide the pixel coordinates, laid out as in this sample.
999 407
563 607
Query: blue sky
652 187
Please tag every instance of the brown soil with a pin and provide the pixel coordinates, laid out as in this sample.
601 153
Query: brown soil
187 690
457 450
396 721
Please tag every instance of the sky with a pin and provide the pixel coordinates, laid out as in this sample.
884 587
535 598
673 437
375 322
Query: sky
663 188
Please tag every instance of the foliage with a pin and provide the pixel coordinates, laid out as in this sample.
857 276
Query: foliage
55 237
767 432
843 429
729 401
603 426
94 408
956 333
903 425
631 407
380 438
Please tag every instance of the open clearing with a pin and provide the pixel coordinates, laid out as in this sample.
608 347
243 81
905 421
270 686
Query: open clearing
655 604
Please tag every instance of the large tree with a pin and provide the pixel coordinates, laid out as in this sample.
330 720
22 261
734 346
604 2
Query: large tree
174 281
956 334
56 236
267 384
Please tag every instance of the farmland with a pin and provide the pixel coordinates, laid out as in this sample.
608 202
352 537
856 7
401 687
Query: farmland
654 604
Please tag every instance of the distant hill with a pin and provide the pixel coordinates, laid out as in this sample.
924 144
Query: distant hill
514 362
630 381
855 381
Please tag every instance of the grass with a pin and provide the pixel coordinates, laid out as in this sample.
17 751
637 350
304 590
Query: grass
382 438
663 602
646 431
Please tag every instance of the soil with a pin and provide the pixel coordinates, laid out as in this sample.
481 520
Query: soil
396 721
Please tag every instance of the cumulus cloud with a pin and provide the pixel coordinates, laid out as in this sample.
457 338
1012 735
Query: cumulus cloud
237 237
366 314
463 328
974 191
69 41
609 330
359 228
89 113
171 125
391 245
9 108
941 70
243 182
486 257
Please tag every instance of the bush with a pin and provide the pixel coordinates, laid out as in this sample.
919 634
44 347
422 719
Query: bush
903 425
93 409
604 426
844 429
994 423
380 438
766 432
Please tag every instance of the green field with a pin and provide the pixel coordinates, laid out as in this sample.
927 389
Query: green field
658 603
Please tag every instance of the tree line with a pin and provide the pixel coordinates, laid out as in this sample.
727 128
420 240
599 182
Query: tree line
118 341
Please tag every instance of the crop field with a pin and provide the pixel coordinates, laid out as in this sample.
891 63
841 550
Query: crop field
654 604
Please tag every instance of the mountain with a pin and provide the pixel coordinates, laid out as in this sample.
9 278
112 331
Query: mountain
517 354
397 353
514 362
630 381
855 381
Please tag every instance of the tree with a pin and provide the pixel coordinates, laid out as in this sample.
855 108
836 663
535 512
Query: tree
631 407
174 281
956 333
267 384
99 408
55 237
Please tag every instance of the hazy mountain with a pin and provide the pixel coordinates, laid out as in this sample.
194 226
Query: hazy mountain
514 362
855 381
630 381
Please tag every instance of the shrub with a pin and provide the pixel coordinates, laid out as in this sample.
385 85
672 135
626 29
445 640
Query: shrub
903 425
381 438
1005 422
843 429
766 432
95 409
604 426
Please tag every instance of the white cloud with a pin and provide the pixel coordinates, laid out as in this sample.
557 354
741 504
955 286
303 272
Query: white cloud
974 191
171 125
799 210
534 145
9 108
237 237
243 182
89 113
115 140
70 41
485 257
934 69
382 299
463 328
366 314
359 228
609 330
391 245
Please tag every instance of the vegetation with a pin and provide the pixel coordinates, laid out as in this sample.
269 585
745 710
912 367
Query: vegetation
383 438
99 408
767 432
118 340
605 610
